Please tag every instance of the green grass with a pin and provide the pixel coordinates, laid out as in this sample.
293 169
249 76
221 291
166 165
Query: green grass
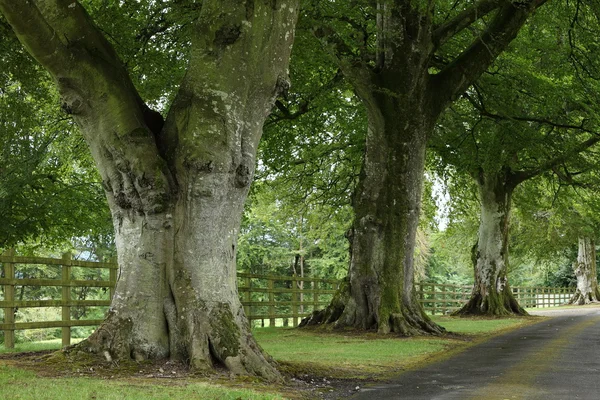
344 355
54 344
478 326
357 356
326 354
19 384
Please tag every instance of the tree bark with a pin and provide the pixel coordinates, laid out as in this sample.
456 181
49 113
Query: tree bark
380 289
586 273
176 188
491 293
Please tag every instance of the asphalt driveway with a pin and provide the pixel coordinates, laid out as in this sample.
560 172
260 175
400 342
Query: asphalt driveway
557 359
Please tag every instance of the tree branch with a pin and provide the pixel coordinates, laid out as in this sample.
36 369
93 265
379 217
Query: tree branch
471 63
36 34
480 107
461 21
551 164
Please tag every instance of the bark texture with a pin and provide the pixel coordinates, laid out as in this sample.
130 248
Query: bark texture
386 206
403 100
491 292
586 273
175 188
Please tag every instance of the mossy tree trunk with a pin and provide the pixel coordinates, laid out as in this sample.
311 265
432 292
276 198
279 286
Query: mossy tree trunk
586 273
491 292
176 188
386 206
403 98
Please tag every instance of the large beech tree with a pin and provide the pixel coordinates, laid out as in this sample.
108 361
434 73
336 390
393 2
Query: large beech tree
175 186
407 61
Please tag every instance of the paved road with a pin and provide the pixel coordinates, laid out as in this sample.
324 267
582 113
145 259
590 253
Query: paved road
557 359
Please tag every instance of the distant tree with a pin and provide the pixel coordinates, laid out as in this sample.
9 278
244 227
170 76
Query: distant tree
525 119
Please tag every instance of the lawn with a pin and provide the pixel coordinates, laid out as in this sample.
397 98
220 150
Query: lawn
350 355
19 384
300 353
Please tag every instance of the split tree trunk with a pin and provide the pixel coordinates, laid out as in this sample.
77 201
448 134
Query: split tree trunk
175 189
491 293
586 273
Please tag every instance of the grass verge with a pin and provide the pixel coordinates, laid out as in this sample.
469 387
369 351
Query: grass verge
371 356
20 384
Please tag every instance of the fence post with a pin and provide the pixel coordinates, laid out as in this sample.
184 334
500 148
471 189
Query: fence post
112 276
444 308
294 301
315 287
247 297
66 299
271 303
9 296
433 299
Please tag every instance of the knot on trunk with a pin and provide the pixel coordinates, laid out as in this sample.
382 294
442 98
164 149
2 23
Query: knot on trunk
227 35
283 85
71 100
243 176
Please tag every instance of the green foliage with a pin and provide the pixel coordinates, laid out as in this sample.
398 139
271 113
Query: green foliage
275 235
152 38
49 190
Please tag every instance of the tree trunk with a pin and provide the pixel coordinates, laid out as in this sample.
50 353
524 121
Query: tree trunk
491 292
380 287
175 189
585 271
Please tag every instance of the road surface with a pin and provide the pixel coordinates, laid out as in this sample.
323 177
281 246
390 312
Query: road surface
557 359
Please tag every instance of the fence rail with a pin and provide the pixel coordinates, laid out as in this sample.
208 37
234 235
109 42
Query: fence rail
13 279
269 299
445 298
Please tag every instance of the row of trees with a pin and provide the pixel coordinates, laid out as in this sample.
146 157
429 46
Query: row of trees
171 99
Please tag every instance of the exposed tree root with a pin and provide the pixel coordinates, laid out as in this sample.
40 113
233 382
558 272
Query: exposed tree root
494 304
342 313
202 340
580 298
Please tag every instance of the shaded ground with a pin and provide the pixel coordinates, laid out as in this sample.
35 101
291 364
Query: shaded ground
555 359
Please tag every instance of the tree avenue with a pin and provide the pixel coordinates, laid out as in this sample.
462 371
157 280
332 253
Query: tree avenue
175 187
407 61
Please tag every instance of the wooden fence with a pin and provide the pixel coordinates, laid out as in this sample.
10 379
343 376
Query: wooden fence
271 300
443 299
12 279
